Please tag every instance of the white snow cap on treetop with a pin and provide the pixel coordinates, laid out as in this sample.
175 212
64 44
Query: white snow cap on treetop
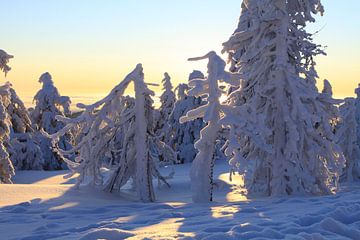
196 74
46 78
327 87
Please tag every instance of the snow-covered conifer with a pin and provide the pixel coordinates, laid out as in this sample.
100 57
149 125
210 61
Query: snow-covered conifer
182 136
167 100
49 104
357 113
4 60
23 147
124 129
347 138
203 165
6 167
274 55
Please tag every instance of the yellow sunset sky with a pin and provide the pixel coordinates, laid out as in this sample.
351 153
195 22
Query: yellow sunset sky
89 46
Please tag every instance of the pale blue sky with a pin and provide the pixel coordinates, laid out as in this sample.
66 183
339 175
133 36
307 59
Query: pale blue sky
88 45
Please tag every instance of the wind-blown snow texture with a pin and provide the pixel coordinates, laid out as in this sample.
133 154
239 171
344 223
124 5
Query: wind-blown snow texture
50 209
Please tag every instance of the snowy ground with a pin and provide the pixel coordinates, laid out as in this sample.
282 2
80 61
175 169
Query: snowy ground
42 205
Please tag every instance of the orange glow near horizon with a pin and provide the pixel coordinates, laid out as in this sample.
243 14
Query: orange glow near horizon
89 48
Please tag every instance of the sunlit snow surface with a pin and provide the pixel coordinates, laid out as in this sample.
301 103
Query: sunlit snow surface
42 205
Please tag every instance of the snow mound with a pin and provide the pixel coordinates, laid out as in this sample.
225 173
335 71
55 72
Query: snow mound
106 233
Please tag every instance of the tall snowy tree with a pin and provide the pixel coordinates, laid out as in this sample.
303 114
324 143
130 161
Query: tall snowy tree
182 136
6 167
347 130
49 104
167 100
357 113
203 165
274 56
137 151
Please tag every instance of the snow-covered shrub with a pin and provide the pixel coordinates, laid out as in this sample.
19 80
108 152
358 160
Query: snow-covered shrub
49 104
121 128
167 100
274 56
202 168
346 132
182 136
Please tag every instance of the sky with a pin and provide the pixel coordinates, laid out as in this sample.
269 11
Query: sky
90 45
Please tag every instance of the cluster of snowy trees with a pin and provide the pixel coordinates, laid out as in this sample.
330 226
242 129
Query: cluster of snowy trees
278 131
22 145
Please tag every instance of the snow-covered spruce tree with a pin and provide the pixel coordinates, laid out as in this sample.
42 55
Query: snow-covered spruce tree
357 113
4 60
6 167
182 136
167 100
346 132
49 104
274 55
23 146
137 151
202 168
